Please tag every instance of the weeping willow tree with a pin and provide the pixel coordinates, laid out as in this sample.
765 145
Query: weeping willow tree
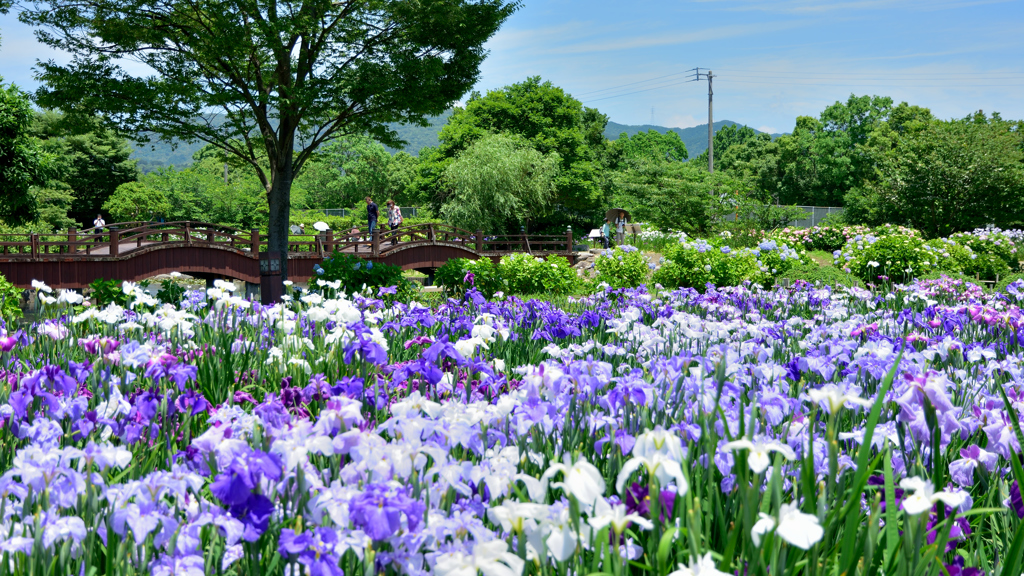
499 184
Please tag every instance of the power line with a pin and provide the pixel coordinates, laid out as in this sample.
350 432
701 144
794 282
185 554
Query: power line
859 85
613 88
639 91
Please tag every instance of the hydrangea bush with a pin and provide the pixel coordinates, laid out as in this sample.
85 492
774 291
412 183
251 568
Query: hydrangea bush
699 263
527 274
825 238
622 267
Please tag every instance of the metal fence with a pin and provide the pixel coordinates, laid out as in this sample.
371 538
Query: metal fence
815 214
409 212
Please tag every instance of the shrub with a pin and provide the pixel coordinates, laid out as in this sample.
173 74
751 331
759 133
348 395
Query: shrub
353 273
896 257
106 292
991 242
1012 285
459 274
894 230
696 264
623 267
171 292
827 238
10 300
526 274
821 275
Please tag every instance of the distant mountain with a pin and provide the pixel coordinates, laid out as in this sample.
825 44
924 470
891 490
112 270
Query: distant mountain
155 155
695 138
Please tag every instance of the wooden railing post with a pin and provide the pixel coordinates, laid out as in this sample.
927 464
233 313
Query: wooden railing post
430 232
330 241
115 242
254 238
568 234
375 247
72 239
479 240
34 240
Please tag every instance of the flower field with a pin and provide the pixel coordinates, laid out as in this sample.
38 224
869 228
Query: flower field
802 430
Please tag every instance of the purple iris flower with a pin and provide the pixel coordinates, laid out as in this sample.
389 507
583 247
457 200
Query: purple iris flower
378 511
962 470
368 349
314 550
191 402
50 378
1016 502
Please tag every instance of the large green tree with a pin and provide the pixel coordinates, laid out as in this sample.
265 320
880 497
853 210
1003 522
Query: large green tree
551 121
944 177
267 81
89 159
498 184
22 163
824 157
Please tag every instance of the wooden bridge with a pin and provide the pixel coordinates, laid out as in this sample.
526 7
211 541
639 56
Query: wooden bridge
139 250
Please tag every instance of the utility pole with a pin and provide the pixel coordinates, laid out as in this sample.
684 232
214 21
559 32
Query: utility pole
225 173
711 120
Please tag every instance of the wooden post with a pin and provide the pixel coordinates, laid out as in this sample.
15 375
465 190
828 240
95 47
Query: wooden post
115 242
330 240
254 236
375 247
210 236
72 239
479 240
430 232
34 240
568 234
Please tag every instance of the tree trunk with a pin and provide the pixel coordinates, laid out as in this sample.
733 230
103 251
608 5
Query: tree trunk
279 201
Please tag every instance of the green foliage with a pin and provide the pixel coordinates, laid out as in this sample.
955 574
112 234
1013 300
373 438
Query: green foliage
347 170
991 243
1005 281
10 300
135 201
945 177
552 122
22 163
88 158
688 266
623 267
677 195
460 274
768 217
283 86
106 292
825 238
354 273
171 292
820 275
54 201
497 184
651 145
698 263
526 274
896 257
725 138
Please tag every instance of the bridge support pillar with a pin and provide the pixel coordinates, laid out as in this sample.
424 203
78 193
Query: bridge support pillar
209 282
252 291
430 277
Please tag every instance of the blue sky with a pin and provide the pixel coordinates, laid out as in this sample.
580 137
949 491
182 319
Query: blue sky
773 60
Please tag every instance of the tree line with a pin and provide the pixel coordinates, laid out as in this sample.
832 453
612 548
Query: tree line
530 156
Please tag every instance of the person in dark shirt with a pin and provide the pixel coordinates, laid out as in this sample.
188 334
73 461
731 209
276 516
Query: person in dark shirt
371 214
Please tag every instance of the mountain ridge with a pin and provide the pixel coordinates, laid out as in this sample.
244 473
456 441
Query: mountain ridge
157 155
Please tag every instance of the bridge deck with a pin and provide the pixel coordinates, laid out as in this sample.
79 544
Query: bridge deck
138 250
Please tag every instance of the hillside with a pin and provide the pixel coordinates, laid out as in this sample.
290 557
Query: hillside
695 138
158 154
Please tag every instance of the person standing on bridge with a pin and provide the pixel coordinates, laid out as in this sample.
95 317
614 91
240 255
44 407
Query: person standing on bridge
394 219
620 228
99 223
372 214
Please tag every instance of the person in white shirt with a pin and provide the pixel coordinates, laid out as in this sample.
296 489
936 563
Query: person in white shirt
620 227
99 222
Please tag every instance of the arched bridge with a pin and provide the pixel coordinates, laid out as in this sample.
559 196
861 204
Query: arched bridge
138 250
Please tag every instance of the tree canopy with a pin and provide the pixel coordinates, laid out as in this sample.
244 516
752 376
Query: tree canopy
22 163
551 121
284 77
